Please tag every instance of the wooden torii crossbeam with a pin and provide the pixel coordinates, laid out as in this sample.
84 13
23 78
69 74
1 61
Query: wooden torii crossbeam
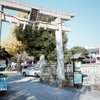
57 25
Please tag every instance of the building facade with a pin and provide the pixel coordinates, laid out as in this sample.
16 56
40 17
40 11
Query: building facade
94 53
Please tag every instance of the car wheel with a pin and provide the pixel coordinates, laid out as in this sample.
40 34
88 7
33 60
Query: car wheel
24 74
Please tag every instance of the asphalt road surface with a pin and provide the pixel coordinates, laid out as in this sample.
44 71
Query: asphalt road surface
29 88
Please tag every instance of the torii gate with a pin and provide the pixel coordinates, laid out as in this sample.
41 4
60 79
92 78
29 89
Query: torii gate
57 25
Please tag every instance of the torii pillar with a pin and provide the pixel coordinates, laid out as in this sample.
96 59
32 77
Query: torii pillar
59 46
1 8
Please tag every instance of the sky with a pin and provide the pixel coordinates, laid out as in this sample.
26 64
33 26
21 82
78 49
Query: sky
85 26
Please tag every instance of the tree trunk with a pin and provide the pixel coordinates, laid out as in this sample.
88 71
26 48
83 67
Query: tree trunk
9 64
19 69
19 61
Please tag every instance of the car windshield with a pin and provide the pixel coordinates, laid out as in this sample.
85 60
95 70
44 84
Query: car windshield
36 68
29 68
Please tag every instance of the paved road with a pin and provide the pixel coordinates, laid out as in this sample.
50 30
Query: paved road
29 88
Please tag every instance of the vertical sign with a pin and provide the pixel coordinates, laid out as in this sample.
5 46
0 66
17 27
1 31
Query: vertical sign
3 84
77 77
34 14
55 70
77 73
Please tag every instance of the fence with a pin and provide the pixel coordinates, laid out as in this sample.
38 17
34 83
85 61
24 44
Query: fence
88 69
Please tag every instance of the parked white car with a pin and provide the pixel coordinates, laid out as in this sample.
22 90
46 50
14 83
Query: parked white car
33 71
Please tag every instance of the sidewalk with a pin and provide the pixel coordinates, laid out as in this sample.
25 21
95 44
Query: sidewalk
9 72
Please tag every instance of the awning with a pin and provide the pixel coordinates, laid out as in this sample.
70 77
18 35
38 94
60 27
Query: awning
77 56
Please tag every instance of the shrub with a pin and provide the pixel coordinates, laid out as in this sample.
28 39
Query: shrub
64 81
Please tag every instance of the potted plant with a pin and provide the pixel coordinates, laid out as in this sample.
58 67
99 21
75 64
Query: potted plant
41 80
64 83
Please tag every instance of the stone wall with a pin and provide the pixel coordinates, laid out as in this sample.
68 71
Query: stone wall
49 73
90 73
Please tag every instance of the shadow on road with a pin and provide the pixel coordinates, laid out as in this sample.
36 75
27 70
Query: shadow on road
12 95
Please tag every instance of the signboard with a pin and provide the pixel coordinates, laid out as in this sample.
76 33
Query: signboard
77 77
34 14
55 68
77 65
3 64
3 84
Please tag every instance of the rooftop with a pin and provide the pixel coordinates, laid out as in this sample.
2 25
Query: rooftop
77 56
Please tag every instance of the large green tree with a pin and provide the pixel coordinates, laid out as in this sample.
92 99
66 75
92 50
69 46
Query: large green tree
76 49
38 42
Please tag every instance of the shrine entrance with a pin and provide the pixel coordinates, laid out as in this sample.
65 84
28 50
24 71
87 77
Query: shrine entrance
33 12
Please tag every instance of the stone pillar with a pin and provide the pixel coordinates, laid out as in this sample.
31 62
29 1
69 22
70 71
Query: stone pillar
98 69
41 65
1 8
92 80
59 46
